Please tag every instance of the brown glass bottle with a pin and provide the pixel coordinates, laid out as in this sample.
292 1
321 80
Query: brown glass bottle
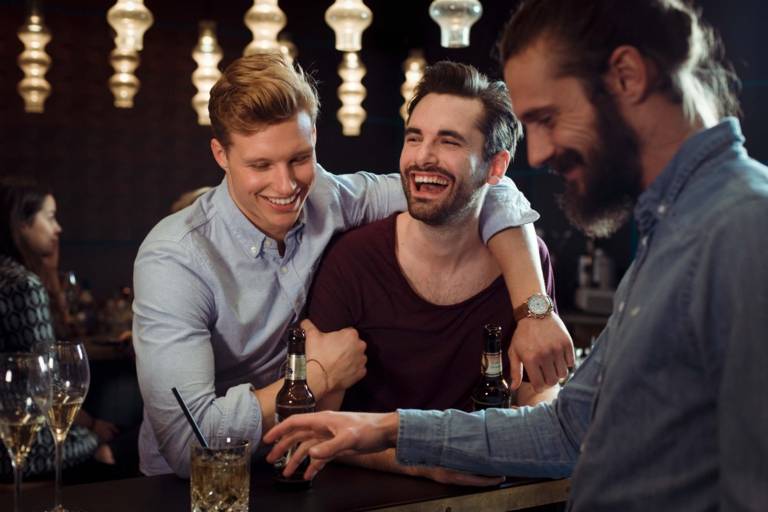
294 397
492 390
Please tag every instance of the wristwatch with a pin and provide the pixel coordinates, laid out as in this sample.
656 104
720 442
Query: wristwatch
538 305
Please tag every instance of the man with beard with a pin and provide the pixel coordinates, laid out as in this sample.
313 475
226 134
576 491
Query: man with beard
628 102
419 286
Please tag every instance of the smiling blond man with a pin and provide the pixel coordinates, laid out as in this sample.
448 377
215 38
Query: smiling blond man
218 283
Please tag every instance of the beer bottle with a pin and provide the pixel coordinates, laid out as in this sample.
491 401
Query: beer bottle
294 397
492 390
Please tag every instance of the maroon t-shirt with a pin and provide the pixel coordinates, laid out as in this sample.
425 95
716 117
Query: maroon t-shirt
420 355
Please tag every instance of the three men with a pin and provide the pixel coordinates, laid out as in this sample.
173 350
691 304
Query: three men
217 284
668 411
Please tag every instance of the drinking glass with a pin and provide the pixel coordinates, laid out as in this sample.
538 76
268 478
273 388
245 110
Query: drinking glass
70 377
25 394
220 476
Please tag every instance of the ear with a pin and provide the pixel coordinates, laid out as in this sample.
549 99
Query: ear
498 167
220 154
630 75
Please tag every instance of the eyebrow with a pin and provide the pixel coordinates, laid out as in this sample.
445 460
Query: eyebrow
441 133
535 114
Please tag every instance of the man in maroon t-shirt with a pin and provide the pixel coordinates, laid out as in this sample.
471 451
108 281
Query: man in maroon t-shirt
420 285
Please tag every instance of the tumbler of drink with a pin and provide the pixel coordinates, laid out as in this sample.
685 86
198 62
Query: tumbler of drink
220 476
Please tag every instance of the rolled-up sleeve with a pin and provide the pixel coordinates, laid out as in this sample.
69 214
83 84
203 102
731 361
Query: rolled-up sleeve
174 311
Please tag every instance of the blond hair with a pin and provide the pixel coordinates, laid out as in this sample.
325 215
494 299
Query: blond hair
257 90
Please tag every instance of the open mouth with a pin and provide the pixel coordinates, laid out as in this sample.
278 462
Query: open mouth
284 202
429 183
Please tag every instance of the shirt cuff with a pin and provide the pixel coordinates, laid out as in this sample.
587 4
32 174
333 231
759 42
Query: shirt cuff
420 437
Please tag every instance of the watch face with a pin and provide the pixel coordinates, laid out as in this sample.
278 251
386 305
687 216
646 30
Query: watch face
539 305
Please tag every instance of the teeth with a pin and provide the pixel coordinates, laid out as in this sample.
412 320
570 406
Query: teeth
282 202
435 180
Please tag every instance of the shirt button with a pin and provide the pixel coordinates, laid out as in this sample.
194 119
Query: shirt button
268 242
644 240
254 250
283 269
662 209
621 307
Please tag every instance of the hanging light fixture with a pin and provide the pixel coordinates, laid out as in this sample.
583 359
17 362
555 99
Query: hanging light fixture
348 19
287 47
207 54
455 18
264 19
130 19
351 93
414 67
34 62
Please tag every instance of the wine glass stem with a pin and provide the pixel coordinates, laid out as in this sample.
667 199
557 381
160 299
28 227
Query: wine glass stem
57 491
16 487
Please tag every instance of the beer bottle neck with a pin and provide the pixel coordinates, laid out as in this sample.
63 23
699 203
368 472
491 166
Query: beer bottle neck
297 368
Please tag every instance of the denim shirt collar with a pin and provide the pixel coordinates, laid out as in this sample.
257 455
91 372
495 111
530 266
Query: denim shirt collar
656 200
253 241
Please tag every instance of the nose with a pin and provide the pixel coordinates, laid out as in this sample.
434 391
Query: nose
540 148
284 182
57 228
426 155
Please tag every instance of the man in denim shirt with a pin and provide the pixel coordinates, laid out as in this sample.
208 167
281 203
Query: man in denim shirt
628 102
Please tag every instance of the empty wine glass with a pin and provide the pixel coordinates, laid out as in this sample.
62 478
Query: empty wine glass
70 378
25 395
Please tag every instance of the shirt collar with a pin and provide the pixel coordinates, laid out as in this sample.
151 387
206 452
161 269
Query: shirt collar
657 199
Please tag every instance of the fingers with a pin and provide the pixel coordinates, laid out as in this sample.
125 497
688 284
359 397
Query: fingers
515 369
309 327
561 367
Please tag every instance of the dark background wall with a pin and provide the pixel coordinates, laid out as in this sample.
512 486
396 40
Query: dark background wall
115 172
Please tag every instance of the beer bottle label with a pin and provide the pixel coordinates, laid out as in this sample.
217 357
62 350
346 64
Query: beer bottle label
297 367
492 364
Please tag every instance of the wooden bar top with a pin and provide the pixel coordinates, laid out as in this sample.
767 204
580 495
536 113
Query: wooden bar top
336 488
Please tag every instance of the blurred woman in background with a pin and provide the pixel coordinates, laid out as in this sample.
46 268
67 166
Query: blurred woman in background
29 235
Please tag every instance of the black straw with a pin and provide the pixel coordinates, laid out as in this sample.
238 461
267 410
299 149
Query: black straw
190 419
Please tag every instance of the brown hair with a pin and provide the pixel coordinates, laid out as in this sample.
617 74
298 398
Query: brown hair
498 124
685 49
258 90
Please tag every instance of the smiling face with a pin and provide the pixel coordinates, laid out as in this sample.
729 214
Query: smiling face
588 144
270 172
40 236
441 163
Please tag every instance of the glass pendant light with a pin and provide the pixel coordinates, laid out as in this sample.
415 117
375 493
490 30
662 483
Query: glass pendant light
207 54
455 18
413 67
34 62
348 19
264 19
351 93
130 19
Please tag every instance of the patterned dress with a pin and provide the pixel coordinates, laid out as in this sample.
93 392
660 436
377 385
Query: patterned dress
25 322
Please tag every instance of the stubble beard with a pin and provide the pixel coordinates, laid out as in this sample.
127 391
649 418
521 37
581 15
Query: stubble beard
452 209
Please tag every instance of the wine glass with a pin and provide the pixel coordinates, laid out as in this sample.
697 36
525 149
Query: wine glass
25 395
70 377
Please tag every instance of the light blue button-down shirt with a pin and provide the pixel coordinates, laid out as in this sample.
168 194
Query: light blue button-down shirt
214 297
669 412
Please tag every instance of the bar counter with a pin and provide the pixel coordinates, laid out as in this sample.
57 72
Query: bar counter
336 488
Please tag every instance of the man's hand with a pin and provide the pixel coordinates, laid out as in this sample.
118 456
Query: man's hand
327 435
544 347
341 354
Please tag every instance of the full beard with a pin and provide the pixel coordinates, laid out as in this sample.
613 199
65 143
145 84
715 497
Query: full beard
451 210
612 175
